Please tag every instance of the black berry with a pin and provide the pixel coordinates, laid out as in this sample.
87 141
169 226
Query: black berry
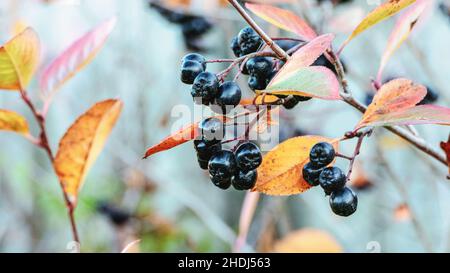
195 57
343 202
235 47
256 83
332 179
431 97
190 70
290 102
116 214
322 154
205 87
245 180
196 27
222 183
211 130
222 165
311 174
205 150
248 156
229 96
249 41
203 163
259 66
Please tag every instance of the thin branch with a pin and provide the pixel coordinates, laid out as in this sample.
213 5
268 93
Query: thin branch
44 144
275 48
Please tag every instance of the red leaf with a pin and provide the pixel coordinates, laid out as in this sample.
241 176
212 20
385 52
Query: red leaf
446 147
186 134
284 19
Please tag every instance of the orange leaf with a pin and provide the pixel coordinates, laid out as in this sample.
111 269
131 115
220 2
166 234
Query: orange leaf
18 60
382 12
284 19
82 143
184 135
258 100
281 170
308 241
394 96
11 121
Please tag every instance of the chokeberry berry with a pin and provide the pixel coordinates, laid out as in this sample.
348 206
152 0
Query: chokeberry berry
256 83
196 27
431 97
195 57
211 130
222 183
190 70
245 180
332 179
290 102
222 165
343 202
116 214
287 44
322 154
249 41
205 150
259 66
235 47
229 96
205 87
248 156
311 174
203 163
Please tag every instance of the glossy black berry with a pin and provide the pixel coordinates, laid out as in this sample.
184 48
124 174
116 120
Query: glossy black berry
205 150
311 174
343 202
256 83
229 96
222 183
290 102
322 154
249 41
117 215
211 130
203 163
195 57
431 97
196 27
259 66
323 61
205 87
248 156
332 179
245 180
287 44
235 47
222 165
190 70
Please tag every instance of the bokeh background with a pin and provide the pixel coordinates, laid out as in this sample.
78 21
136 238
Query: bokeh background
167 201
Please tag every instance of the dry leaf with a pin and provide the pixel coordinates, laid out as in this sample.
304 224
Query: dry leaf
308 241
82 144
280 172
382 12
19 59
11 121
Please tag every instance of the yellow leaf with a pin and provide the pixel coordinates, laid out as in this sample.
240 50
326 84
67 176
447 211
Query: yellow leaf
280 172
11 121
18 60
82 144
307 241
382 12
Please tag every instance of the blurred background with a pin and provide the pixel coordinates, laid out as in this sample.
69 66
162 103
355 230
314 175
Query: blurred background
167 201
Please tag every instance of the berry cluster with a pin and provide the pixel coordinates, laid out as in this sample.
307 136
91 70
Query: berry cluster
225 167
193 27
343 200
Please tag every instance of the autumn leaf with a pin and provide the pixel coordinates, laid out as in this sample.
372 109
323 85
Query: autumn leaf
75 57
394 104
280 172
11 121
82 143
312 81
259 99
382 12
184 135
18 60
283 19
307 241
304 57
446 147
404 26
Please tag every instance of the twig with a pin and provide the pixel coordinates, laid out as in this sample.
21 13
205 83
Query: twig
275 48
44 144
